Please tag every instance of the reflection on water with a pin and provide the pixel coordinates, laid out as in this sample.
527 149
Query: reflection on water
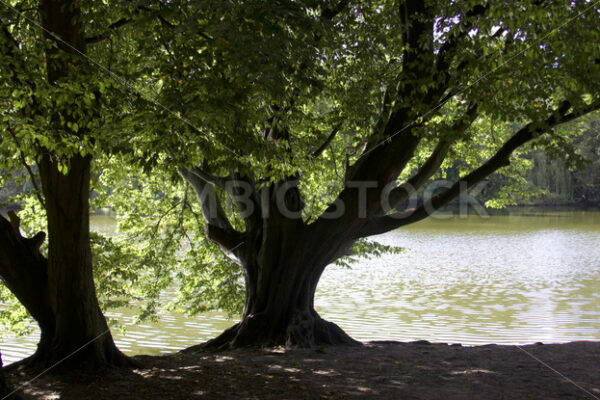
505 279
508 279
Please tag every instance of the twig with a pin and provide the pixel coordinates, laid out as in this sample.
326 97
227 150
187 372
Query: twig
27 167
329 139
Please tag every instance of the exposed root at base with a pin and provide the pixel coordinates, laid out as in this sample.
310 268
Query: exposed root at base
305 330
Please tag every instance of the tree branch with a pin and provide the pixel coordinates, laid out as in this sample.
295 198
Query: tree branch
23 269
103 36
384 113
227 240
329 139
38 192
217 228
392 136
395 141
207 196
239 189
330 13
500 159
252 217
433 163
209 178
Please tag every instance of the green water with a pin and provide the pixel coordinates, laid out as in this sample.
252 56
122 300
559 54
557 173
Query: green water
463 279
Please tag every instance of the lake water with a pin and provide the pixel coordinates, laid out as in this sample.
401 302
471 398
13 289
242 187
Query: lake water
509 279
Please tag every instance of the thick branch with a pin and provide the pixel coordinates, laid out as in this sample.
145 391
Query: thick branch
395 141
330 13
240 189
218 228
392 136
22 266
247 199
329 139
207 196
384 113
209 178
35 242
229 241
104 36
500 159
433 163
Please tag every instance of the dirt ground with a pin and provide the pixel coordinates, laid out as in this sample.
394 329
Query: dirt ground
376 370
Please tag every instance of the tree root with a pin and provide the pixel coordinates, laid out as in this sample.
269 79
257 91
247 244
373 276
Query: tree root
305 330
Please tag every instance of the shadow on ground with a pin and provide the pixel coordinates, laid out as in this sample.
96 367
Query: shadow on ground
377 370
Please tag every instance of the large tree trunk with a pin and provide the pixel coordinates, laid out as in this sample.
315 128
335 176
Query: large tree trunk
279 309
77 323
78 328
282 259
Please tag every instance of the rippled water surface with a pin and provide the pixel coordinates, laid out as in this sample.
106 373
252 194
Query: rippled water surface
504 279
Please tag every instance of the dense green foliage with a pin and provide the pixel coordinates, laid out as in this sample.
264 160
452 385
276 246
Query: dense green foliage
278 89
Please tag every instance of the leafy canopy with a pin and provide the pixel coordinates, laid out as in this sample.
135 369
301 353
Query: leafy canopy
274 90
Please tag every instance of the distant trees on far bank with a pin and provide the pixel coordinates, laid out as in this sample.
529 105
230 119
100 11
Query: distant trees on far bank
564 184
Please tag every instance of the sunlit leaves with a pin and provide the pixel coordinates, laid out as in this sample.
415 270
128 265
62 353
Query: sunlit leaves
367 249
255 88
159 245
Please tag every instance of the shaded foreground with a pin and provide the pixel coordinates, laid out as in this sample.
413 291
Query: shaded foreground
382 370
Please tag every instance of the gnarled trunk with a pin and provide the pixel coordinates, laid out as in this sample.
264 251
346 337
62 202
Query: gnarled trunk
282 259
279 310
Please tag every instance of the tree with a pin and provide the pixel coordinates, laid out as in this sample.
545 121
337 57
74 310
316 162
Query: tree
51 113
304 127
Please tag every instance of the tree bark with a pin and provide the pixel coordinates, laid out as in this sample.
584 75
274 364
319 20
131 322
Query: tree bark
78 324
279 306
79 330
